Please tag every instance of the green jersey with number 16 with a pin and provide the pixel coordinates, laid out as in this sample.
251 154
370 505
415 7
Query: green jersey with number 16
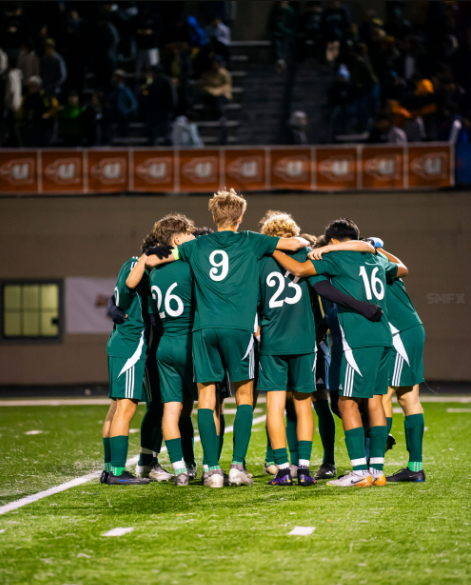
225 266
362 276
172 288
285 311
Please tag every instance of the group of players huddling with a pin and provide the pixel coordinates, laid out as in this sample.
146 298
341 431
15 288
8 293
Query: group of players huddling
203 315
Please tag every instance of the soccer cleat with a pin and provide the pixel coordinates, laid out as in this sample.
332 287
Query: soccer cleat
326 471
104 476
143 470
181 479
352 479
126 478
390 442
379 480
282 478
305 478
238 475
158 473
214 478
270 469
407 475
192 471
293 469
250 475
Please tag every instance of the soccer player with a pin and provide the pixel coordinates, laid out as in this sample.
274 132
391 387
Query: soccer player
225 266
366 345
406 371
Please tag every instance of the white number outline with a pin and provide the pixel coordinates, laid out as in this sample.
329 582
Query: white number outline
274 303
224 265
168 297
373 288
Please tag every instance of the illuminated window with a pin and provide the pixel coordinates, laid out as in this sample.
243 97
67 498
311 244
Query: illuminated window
30 310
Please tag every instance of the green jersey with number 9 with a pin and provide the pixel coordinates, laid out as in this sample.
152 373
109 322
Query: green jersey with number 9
172 287
362 276
225 266
285 312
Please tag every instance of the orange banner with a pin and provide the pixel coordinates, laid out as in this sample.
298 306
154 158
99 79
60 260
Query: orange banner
336 169
303 168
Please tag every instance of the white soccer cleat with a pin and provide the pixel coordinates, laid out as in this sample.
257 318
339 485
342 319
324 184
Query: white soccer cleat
293 470
248 472
158 473
142 471
239 476
214 478
352 479
270 469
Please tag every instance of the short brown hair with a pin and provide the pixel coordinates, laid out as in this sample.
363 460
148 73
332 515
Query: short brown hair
278 224
170 225
227 207
321 241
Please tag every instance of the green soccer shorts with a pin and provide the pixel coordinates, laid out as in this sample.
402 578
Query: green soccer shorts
217 351
175 363
364 372
293 373
407 359
126 381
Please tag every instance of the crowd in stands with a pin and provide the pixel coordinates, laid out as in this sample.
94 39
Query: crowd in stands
80 73
397 79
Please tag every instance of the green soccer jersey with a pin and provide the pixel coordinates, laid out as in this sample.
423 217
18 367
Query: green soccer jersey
363 277
172 287
128 340
285 309
225 266
401 312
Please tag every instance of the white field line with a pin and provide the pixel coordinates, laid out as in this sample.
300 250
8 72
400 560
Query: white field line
85 478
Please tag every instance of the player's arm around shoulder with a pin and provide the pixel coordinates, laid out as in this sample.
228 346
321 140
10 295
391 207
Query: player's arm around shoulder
351 246
291 244
402 269
300 269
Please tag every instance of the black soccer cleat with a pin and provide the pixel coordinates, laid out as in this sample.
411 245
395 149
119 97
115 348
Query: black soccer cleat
407 475
126 478
390 442
104 476
305 478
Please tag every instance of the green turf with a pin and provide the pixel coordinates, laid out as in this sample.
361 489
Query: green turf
413 534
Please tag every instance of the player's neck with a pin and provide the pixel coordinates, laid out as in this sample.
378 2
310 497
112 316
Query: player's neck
228 228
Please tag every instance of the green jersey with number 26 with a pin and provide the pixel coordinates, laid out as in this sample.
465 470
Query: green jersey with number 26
172 288
362 276
285 311
225 266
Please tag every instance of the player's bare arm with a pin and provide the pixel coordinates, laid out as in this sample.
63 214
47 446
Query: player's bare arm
291 244
402 269
295 267
136 274
350 246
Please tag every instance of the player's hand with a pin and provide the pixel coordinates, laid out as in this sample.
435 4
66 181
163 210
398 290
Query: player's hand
152 261
374 313
317 253
117 315
375 242
160 251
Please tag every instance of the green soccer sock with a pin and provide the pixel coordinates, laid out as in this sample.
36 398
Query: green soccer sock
355 441
269 455
222 430
326 429
414 425
187 433
304 451
175 453
209 438
151 433
389 423
107 450
119 453
291 432
378 438
242 432
281 458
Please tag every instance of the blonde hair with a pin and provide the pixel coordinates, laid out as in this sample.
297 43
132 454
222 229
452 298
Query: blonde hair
227 207
278 224
171 225
311 239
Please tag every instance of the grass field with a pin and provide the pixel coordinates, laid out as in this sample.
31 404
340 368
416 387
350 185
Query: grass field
408 534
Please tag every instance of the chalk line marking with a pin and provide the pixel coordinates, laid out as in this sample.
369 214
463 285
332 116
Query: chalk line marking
118 531
86 478
302 531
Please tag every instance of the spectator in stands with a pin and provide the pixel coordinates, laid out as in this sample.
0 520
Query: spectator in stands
216 86
335 26
185 133
71 44
145 31
451 127
311 28
53 68
12 102
384 131
122 102
71 126
282 27
297 128
341 97
366 86
37 113
158 105
414 58
219 36
104 52
16 29
28 61
97 118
